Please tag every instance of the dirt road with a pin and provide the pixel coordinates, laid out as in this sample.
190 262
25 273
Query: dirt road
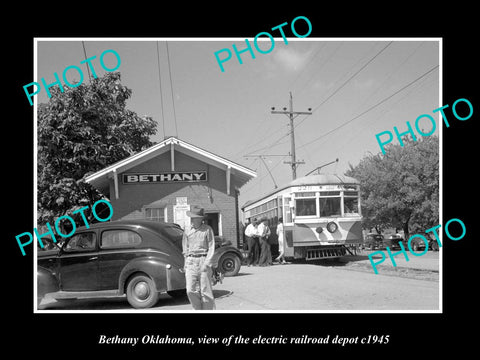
304 287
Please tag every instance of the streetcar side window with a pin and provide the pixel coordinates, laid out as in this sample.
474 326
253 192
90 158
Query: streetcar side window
287 211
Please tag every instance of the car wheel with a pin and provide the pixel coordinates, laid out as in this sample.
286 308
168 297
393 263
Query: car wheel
141 292
229 264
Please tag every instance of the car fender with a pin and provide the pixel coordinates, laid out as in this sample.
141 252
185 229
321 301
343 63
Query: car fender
47 282
166 276
223 250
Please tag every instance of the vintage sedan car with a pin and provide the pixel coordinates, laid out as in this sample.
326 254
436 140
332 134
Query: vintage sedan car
373 241
416 244
140 259
137 258
393 241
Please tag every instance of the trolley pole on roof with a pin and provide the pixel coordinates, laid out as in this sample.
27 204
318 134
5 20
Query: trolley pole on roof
292 115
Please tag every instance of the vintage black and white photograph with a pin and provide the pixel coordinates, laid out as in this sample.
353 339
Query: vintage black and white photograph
217 178
271 174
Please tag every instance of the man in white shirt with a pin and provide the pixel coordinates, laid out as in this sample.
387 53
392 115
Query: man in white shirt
252 242
263 230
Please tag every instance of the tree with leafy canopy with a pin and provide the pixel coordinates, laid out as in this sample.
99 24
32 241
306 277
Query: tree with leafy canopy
401 187
80 131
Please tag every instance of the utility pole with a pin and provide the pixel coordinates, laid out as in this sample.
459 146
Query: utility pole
292 115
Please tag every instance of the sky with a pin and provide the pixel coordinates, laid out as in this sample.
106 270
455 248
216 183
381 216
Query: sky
229 113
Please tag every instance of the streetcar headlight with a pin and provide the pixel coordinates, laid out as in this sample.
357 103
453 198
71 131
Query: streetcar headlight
319 229
332 227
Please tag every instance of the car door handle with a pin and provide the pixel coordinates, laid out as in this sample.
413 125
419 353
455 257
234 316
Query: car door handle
93 258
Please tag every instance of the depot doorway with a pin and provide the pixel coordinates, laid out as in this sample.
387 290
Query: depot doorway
213 219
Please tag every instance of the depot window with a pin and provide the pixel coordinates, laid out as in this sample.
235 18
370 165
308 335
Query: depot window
155 214
330 203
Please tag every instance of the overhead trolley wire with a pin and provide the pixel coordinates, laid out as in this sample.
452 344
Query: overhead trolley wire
320 67
347 81
351 77
171 90
88 69
161 94
372 107
331 95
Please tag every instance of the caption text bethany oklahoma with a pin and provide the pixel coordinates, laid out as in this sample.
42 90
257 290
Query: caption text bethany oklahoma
243 340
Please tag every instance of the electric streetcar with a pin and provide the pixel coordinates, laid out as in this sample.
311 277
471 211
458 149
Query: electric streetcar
321 216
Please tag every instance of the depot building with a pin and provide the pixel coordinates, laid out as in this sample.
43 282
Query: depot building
163 181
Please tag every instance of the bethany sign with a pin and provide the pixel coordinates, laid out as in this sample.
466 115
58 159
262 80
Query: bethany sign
167 177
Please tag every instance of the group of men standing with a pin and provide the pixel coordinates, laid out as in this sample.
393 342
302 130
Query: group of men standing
259 252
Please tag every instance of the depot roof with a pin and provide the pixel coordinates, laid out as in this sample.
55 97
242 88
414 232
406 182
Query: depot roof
101 178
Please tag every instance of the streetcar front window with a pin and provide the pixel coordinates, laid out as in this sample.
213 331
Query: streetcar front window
330 206
305 207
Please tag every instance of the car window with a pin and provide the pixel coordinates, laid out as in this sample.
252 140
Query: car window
119 239
49 244
81 242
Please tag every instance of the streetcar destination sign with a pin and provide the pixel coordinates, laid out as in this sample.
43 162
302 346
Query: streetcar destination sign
167 177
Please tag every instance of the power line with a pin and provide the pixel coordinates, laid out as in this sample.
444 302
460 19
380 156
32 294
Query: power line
171 90
277 142
308 64
247 190
372 107
393 72
248 146
355 74
161 93
320 67
348 80
85 54
338 89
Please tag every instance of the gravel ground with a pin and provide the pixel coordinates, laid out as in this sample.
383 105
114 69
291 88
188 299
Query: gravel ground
344 284
424 267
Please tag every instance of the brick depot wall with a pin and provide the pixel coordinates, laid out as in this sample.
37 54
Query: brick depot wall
211 195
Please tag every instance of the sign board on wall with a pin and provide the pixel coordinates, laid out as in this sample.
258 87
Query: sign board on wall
180 216
165 177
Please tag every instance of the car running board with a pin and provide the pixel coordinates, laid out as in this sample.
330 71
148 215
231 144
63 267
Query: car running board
59 295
